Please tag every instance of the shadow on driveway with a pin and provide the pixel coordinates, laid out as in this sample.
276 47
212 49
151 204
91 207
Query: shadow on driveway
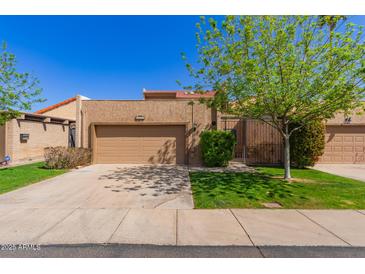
148 180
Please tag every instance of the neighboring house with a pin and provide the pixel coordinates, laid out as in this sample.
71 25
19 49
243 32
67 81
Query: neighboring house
259 143
345 139
165 127
24 138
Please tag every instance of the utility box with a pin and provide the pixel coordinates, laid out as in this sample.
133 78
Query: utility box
24 137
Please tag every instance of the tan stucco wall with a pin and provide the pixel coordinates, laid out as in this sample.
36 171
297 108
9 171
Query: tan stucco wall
154 111
2 142
339 118
41 135
78 121
66 111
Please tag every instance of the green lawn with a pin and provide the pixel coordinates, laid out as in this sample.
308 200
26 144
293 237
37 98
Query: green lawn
310 189
15 177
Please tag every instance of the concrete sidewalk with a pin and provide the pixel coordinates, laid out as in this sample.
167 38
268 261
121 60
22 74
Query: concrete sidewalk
220 227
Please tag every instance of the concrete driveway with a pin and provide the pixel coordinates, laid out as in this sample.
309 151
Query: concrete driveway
354 171
108 186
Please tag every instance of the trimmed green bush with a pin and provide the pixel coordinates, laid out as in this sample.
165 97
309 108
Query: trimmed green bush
63 157
217 147
307 144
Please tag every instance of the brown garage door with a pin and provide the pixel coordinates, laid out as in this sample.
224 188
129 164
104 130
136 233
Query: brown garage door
140 144
344 144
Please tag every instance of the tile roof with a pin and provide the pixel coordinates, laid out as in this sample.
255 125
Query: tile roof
67 101
186 94
182 94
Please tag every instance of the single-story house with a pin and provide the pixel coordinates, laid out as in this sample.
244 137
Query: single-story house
165 127
24 138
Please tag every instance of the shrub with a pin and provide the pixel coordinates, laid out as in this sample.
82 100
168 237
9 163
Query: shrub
307 144
62 157
217 147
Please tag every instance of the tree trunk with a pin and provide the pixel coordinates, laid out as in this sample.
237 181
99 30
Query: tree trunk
287 175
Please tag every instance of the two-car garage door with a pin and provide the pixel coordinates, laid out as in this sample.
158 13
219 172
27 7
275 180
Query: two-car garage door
139 144
344 144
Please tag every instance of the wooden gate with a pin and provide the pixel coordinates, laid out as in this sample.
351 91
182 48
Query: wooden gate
257 142
264 144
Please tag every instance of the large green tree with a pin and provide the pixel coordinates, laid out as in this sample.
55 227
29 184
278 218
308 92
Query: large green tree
18 91
280 69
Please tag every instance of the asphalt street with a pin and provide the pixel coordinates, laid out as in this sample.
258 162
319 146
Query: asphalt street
155 251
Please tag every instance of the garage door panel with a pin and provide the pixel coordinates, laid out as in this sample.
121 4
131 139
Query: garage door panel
119 142
116 158
337 157
130 152
348 149
140 144
120 145
326 158
337 148
344 144
348 158
338 139
360 158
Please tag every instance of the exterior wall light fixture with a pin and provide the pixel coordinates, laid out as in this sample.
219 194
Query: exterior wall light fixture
139 118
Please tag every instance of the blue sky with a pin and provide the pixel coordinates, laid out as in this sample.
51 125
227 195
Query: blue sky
102 57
